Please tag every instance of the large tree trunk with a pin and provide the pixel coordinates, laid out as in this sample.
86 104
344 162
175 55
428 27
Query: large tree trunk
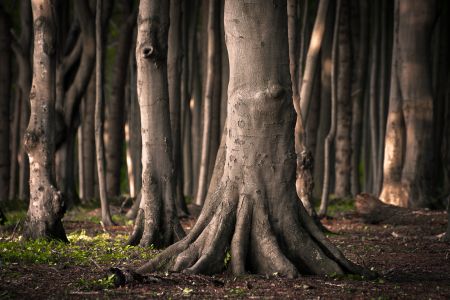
5 88
414 72
255 211
47 206
392 191
157 222
360 41
344 106
174 64
116 116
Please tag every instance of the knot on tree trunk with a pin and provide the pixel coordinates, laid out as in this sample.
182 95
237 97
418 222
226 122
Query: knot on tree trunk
43 27
31 139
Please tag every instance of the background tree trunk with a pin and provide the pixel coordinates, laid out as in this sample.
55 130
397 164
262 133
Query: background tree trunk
47 206
5 88
99 146
414 72
116 116
157 222
344 106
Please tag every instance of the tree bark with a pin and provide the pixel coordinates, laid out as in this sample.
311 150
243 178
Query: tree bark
174 67
445 148
208 107
47 206
5 88
414 72
255 211
99 146
312 127
15 146
344 106
116 116
360 41
157 222
392 190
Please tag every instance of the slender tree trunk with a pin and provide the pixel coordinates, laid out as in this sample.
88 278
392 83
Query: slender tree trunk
99 146
174 67
445 148
374 63
80 156
116 116
344 106
225 67
382 84
330 137
255 211
15 146
208 109
302 49
414 72
312 127
89 168
157 222
47 206
392 190
24 172
360 41
293 37
5 88
325 101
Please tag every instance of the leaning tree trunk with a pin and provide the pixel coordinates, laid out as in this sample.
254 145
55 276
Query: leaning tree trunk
392 191
255 211
99 146
344 106
5 87
157 222
414 71
47 206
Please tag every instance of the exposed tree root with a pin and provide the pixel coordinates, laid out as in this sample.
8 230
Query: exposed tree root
244 224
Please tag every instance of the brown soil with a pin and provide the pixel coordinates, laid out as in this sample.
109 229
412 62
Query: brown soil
411 267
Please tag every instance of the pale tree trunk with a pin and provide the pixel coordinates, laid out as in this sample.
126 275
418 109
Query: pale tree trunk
344 106
374 64
305 160
116 116
47 206
414 72
255 211
208 107
225 67
174 65
330 137
196 121
157 222
99 146
5 88
325 101
360 41
301 58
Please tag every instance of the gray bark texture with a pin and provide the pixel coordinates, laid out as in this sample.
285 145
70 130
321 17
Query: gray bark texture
47 206
116 116
157 222
255 211
5 88
414 71
344 106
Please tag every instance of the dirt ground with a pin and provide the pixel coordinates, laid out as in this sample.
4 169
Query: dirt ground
411 266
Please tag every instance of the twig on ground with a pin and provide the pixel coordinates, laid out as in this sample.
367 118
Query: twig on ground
98 266
430 237
14 231
123 205
106 230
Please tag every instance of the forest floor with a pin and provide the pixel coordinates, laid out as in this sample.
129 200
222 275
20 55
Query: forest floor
411 265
